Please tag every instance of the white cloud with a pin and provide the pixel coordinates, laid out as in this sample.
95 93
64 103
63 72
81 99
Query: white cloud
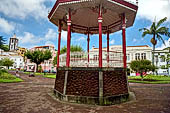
112 41
49 43
6 26
134 40
64 35
51 35
29 38
151 9
20 9
167 44
81 39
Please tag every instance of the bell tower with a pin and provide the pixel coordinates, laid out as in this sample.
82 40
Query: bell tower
13 43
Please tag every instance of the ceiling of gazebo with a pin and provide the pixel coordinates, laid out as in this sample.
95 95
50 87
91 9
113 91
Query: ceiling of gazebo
85 14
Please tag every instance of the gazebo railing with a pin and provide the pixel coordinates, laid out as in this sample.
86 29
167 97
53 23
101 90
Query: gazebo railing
80 59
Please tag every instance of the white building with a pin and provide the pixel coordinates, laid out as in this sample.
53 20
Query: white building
160 62
18 59
132 52
115 56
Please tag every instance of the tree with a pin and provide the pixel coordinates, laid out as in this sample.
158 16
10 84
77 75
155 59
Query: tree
38 56
5 47
2 42
7 62
63 50
157 32
142 66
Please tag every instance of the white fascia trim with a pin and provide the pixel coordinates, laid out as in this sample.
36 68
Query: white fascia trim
122 5
73 2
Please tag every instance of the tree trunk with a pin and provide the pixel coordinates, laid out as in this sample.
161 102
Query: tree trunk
153 59
36 67
141 75
153 53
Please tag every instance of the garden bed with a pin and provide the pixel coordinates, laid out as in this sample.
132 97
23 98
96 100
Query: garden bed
5 77
150 79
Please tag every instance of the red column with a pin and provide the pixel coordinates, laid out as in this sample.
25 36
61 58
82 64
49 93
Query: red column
59 40
68 38
124 39
88 40
108 47
100 37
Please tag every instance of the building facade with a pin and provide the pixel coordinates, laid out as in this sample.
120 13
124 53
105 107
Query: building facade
80 59
47 65
15 57
160 61
132 52
21 51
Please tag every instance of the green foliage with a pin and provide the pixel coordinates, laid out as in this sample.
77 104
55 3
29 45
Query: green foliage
5 77
2 46
150 79
40 69
38 56
6 62
164 67
2 42
50 76
142 66
64 50
157 31
1 62
5 47
73 48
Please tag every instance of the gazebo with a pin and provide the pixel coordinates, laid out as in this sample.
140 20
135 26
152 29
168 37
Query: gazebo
92 85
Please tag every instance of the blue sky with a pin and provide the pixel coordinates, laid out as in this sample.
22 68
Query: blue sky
28 19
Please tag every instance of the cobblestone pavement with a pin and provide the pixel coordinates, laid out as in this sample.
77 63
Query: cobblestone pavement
34 95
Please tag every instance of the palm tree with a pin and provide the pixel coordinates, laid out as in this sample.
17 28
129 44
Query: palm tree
157 31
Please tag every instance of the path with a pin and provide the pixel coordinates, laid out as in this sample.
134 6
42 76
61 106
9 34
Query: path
34 96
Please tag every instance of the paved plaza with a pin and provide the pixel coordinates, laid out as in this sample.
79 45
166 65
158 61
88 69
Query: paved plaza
35 95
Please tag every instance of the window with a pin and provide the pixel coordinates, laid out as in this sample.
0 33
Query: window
95 57
137 56
143 56
164 71
162 59
128 57
156 58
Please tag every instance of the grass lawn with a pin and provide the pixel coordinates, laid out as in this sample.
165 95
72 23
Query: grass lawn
34 73
8 78
150 79
50 76
47 75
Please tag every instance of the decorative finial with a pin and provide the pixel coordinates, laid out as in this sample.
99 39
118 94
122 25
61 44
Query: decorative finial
14 35
137 2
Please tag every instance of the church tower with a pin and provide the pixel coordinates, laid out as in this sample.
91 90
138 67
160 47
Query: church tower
13 43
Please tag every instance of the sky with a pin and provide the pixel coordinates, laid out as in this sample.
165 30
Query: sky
28 20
